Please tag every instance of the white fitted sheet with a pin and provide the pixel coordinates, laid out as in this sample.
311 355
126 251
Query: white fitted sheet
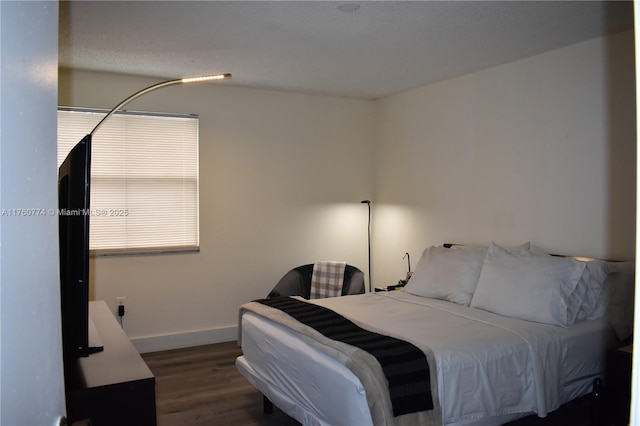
491 369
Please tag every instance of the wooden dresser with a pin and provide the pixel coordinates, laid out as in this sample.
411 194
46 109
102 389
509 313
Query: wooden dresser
112 387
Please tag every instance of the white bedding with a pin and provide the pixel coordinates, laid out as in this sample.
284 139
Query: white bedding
490 369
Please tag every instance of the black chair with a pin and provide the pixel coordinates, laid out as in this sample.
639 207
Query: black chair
297 282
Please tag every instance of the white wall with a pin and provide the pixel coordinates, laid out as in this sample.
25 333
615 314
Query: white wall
281 179
542 149
31 378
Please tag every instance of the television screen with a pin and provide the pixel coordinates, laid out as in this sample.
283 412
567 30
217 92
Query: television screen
73 215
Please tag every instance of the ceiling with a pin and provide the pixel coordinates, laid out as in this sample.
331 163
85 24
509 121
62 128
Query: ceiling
381 48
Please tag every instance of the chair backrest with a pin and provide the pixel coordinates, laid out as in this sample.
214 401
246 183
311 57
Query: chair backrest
297 282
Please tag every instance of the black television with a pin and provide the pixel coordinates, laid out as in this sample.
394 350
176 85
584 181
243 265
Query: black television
74 176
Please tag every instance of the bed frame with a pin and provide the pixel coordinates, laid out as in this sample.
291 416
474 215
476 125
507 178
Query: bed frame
586 383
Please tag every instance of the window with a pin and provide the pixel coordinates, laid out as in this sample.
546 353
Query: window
144 179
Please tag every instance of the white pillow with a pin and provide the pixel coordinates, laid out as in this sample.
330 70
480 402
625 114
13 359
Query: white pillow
621 285
447 273
592 289
596 298
530 287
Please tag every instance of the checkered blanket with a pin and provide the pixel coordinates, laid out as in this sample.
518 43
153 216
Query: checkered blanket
327 279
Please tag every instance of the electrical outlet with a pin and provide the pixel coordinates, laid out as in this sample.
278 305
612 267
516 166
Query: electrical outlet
120 300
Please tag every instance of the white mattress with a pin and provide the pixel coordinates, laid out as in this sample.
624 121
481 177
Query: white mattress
486 369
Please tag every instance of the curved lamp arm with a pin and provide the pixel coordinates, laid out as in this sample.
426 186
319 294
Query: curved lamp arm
158 86
406 255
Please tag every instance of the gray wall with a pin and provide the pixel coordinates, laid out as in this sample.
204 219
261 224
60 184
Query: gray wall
31 353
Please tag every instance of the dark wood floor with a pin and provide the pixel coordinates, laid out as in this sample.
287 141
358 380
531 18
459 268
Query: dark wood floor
201 386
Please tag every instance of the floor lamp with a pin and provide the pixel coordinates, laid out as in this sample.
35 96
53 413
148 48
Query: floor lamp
368 203
186 80
74 176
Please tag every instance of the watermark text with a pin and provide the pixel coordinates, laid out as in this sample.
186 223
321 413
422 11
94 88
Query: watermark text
30 212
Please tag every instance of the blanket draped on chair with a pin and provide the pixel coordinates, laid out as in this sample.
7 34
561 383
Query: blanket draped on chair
327 279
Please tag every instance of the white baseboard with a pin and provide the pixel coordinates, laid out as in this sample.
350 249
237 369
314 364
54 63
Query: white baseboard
184 340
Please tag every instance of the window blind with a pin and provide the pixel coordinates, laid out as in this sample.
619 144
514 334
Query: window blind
144 179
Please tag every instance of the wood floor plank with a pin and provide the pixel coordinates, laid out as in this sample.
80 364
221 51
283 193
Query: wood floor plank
200 386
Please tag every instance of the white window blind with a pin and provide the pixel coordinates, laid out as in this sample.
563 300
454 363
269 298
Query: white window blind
144 179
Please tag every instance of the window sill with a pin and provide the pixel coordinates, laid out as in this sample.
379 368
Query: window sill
146 251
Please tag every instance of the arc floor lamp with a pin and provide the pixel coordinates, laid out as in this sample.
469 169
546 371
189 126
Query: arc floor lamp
368 203
74 176
186 80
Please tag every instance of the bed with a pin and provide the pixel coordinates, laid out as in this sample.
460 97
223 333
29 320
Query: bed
505 332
